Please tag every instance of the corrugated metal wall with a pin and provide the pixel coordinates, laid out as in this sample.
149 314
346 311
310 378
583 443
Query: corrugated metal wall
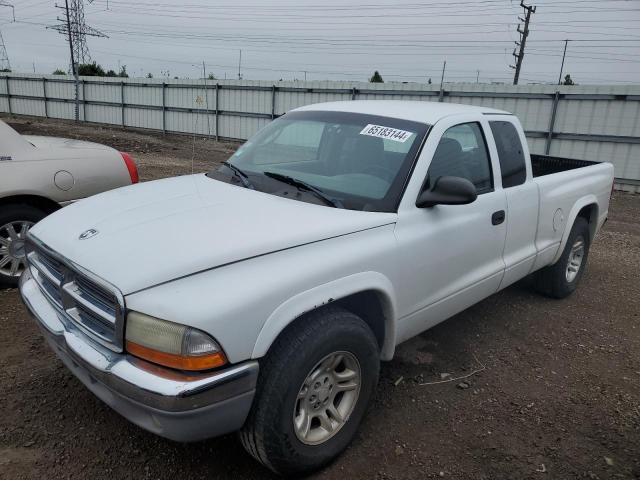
588 122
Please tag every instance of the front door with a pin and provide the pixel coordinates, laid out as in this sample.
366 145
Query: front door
451 255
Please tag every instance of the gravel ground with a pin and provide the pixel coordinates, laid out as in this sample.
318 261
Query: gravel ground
553 391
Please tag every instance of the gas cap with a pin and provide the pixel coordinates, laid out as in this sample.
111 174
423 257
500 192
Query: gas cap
63 180
558 220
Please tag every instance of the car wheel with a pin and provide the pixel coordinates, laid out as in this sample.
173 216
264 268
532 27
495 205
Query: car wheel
15 222
561 279
314 388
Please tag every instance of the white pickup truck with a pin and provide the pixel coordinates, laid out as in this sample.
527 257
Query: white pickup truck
262 296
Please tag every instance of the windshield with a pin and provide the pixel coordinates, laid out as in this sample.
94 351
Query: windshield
339 159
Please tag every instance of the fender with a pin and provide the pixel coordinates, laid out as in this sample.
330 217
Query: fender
579 205
323 294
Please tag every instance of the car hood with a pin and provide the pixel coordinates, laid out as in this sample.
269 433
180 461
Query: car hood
158 231
57 142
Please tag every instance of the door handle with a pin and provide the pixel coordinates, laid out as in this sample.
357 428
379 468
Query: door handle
498 217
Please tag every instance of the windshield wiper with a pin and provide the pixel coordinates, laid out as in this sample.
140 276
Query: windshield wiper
334 202
244 179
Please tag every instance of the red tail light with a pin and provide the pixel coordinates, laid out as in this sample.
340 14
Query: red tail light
131 166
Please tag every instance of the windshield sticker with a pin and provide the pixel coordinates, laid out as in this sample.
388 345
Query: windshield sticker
386 132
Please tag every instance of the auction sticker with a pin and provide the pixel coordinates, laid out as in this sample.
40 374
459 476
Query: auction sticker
386 132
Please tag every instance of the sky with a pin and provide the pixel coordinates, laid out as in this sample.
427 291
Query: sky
338 39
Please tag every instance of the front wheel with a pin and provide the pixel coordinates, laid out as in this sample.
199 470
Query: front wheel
314 388
561 279
15 222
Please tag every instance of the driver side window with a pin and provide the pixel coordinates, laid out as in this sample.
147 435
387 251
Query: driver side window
462 152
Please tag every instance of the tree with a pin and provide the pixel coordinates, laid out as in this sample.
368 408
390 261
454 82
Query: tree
6 70
123 72
111 73
90 70
376 78
211 76
149 75
568 80
59 71
429 81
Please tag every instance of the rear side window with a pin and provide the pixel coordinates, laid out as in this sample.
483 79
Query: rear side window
510 153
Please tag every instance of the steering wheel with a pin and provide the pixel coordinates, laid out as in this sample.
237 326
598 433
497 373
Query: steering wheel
381 172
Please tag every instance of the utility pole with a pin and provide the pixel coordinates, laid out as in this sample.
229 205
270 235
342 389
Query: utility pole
477 76
441 95
240 65
562 65
524 33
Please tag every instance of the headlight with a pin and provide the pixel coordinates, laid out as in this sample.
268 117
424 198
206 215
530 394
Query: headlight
171 344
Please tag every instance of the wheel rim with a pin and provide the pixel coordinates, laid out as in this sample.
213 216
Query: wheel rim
327 398
576 256
12 251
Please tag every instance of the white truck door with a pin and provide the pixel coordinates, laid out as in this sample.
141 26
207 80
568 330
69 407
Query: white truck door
521 193
450 255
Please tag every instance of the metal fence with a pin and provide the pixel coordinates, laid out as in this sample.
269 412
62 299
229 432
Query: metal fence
588 122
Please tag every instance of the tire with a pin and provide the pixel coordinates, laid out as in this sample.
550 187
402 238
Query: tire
16 218
561 279
269 434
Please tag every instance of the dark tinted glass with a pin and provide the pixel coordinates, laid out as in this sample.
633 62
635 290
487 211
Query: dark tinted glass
462 152
510 153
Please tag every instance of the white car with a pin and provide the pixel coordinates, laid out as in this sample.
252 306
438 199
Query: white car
262 296
38 175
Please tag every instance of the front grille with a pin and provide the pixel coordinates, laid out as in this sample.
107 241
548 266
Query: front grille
90 303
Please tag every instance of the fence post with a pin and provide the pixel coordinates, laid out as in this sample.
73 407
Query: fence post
354 92
552 122
441 94
122 103
8 94
217 112
44 96
164 108
84 102
273 102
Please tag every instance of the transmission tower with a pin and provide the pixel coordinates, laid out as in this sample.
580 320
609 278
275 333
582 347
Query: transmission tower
4 56
524 33
74 28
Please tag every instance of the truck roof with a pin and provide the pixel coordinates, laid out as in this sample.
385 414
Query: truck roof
424 112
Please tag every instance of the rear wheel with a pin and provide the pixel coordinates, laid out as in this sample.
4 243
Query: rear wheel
314 388
15 222
561 279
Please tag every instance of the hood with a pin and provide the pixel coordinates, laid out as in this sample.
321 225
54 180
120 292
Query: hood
158 231
57 142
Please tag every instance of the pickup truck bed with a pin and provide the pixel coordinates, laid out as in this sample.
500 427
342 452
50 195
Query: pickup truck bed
547 164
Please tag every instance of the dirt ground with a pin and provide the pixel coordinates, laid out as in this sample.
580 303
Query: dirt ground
553 390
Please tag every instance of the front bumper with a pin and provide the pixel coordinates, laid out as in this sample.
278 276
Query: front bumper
181 407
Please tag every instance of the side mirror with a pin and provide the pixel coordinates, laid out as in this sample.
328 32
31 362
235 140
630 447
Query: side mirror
448 191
